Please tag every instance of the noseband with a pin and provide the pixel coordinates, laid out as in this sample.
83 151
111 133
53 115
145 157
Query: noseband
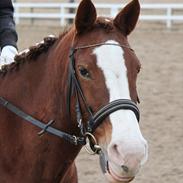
94 120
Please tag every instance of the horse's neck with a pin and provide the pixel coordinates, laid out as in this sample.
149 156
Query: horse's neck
38 86
40 90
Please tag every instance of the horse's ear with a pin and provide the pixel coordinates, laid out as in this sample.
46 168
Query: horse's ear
86 16
126 19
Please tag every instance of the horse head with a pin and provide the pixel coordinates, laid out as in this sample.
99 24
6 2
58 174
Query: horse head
101 101
105 70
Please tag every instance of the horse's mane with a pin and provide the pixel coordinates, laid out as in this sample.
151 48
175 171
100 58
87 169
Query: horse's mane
32 53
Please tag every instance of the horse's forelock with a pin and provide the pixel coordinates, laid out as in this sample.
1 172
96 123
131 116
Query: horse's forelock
104 23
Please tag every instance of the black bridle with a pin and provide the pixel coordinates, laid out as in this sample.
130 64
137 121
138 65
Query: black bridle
94 120
75 89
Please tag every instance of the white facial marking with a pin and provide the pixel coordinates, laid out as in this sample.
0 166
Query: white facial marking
125 128
111 61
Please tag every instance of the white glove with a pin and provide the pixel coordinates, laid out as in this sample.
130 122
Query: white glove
7 55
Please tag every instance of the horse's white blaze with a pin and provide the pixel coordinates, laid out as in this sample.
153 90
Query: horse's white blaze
125 128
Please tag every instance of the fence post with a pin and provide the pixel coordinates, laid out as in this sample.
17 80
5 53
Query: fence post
169 16
62 18
71 11
32 12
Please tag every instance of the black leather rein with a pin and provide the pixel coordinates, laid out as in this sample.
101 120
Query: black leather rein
44 127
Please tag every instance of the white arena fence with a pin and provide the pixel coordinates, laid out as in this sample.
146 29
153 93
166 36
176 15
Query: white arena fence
167 13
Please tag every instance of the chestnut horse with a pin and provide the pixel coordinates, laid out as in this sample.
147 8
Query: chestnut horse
76 88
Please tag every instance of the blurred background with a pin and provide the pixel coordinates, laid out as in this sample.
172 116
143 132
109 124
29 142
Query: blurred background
158 42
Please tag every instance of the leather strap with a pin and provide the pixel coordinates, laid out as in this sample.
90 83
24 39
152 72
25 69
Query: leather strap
44 127
103 43
103 162
121 104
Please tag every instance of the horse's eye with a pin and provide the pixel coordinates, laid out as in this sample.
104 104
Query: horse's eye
138 69
84 72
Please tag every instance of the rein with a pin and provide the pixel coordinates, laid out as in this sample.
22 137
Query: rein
44 127
94 119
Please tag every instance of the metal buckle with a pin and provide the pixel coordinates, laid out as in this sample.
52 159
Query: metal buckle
79 140
92 138
75 140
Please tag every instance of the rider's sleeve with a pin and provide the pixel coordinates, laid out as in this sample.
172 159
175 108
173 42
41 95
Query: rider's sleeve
8 34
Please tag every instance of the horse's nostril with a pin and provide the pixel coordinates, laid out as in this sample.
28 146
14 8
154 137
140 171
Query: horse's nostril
115 147
125 168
